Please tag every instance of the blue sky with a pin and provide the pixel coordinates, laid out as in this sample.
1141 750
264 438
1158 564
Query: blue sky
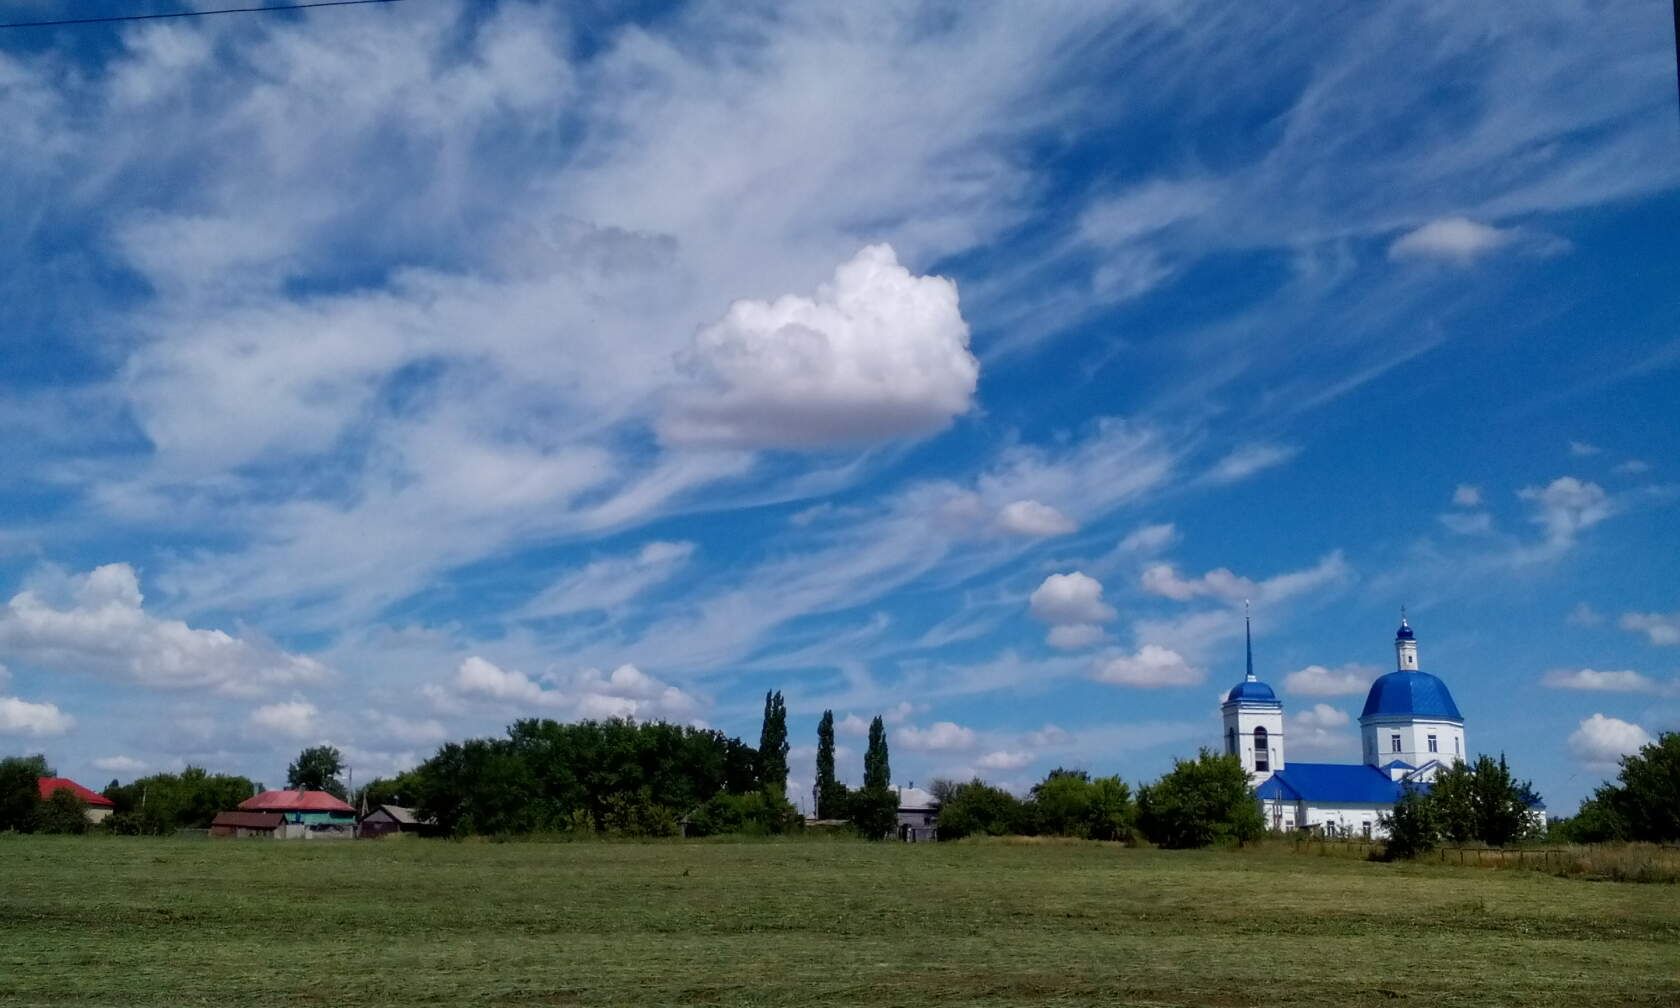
378 375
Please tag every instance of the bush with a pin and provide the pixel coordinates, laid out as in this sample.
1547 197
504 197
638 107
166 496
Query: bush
874 812
1413 828
756 813
977 809
63 812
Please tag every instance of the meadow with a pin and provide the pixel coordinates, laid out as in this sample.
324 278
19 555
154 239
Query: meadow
119 921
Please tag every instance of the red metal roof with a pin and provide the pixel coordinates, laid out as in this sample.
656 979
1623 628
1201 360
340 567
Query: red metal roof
295 801
50 784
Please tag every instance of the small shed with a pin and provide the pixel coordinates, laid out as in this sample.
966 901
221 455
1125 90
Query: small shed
98 806
247 824
389 820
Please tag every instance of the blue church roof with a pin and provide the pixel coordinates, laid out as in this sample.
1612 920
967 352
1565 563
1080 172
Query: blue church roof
1331 782
1251 691
1410 694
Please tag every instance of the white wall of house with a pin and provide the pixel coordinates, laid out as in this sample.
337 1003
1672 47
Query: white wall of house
1419 741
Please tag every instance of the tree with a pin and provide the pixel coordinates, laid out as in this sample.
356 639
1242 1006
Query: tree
873 812
317 769
1642 804
773 745
976 809
1481 802
830 794
877 767
1199 802
403 790
163 803
1112 815
20 790
64 811
1414 827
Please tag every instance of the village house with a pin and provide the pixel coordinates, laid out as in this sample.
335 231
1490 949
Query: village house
307 815
98 806
267 825
390 820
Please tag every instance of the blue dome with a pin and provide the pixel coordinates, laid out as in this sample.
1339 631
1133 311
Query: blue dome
1254 691
1405 632
1410 694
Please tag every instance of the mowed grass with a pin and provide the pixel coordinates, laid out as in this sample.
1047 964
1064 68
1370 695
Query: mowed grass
159 922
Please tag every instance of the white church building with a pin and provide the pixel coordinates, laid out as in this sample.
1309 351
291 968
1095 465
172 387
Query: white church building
1410 729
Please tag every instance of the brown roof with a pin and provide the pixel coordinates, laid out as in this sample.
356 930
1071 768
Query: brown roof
249 820
295 801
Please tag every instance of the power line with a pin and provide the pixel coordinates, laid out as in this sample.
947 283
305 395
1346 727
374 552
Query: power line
196 13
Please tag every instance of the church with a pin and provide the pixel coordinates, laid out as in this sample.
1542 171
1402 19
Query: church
1410 729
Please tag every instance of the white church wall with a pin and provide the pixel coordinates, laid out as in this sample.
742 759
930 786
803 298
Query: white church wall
1348 820
1378 741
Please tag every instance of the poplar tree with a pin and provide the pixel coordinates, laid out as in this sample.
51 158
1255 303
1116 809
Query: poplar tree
828 786
773 744
877 770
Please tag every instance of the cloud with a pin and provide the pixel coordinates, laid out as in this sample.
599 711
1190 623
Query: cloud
1320 728
1583 449
1467 496
1601 741
1567 506
941 736
625 692
100 626
1453 239
1316 680
120 764
1151 667
610 583
1622 681
879 353
1049 735
1148 539
295 719
1467 523
32 720
1030 518
1661 628
1075 597
1074 636
1584 615
1248 460
1004 759
1163 580
1322 715
1633 467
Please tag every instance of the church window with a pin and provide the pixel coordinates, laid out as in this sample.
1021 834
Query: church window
1231 742
1455 747
1393 741
1432 747
1262 759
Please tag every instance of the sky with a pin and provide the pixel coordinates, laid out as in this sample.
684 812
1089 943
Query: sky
379 375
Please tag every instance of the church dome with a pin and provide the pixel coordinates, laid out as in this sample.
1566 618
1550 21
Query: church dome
1251 690
1410 694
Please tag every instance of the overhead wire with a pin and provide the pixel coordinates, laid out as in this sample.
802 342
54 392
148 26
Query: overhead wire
194 13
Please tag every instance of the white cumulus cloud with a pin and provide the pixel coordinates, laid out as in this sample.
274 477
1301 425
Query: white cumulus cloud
1070 598
1073 636
1151 667
1601 741
1317 680
120 764
1031 518
941 736
101 626
626 691
32 720
1467 496
1163 580
879 353
1661 628
1566 506
1004 759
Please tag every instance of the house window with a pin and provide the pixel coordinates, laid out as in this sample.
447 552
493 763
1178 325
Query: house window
1262 758
1367 828
1393 741
1432 747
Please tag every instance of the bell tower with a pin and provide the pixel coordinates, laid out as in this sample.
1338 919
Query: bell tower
1253 718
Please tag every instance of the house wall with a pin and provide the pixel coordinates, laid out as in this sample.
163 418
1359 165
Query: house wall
1345 820
1377 738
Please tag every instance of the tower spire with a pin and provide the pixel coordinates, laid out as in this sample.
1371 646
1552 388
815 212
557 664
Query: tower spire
1248 639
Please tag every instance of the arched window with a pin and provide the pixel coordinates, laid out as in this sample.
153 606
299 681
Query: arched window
1262 758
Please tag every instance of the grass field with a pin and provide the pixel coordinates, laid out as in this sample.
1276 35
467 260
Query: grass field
134 922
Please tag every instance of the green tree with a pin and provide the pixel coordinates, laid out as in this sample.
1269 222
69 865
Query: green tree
1481 802
1414 827
1200 802
1061 803
1647 799
20 790
874 812
877 766
62 812
976 808
163 803
829 794
403 790
317 769
773 745
1112 814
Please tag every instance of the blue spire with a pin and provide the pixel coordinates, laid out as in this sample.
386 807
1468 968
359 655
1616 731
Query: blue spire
1248 640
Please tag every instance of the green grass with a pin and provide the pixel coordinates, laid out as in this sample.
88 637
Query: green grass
136 922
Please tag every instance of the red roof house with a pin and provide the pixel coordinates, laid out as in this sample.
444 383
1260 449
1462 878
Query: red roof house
295 801
98 806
